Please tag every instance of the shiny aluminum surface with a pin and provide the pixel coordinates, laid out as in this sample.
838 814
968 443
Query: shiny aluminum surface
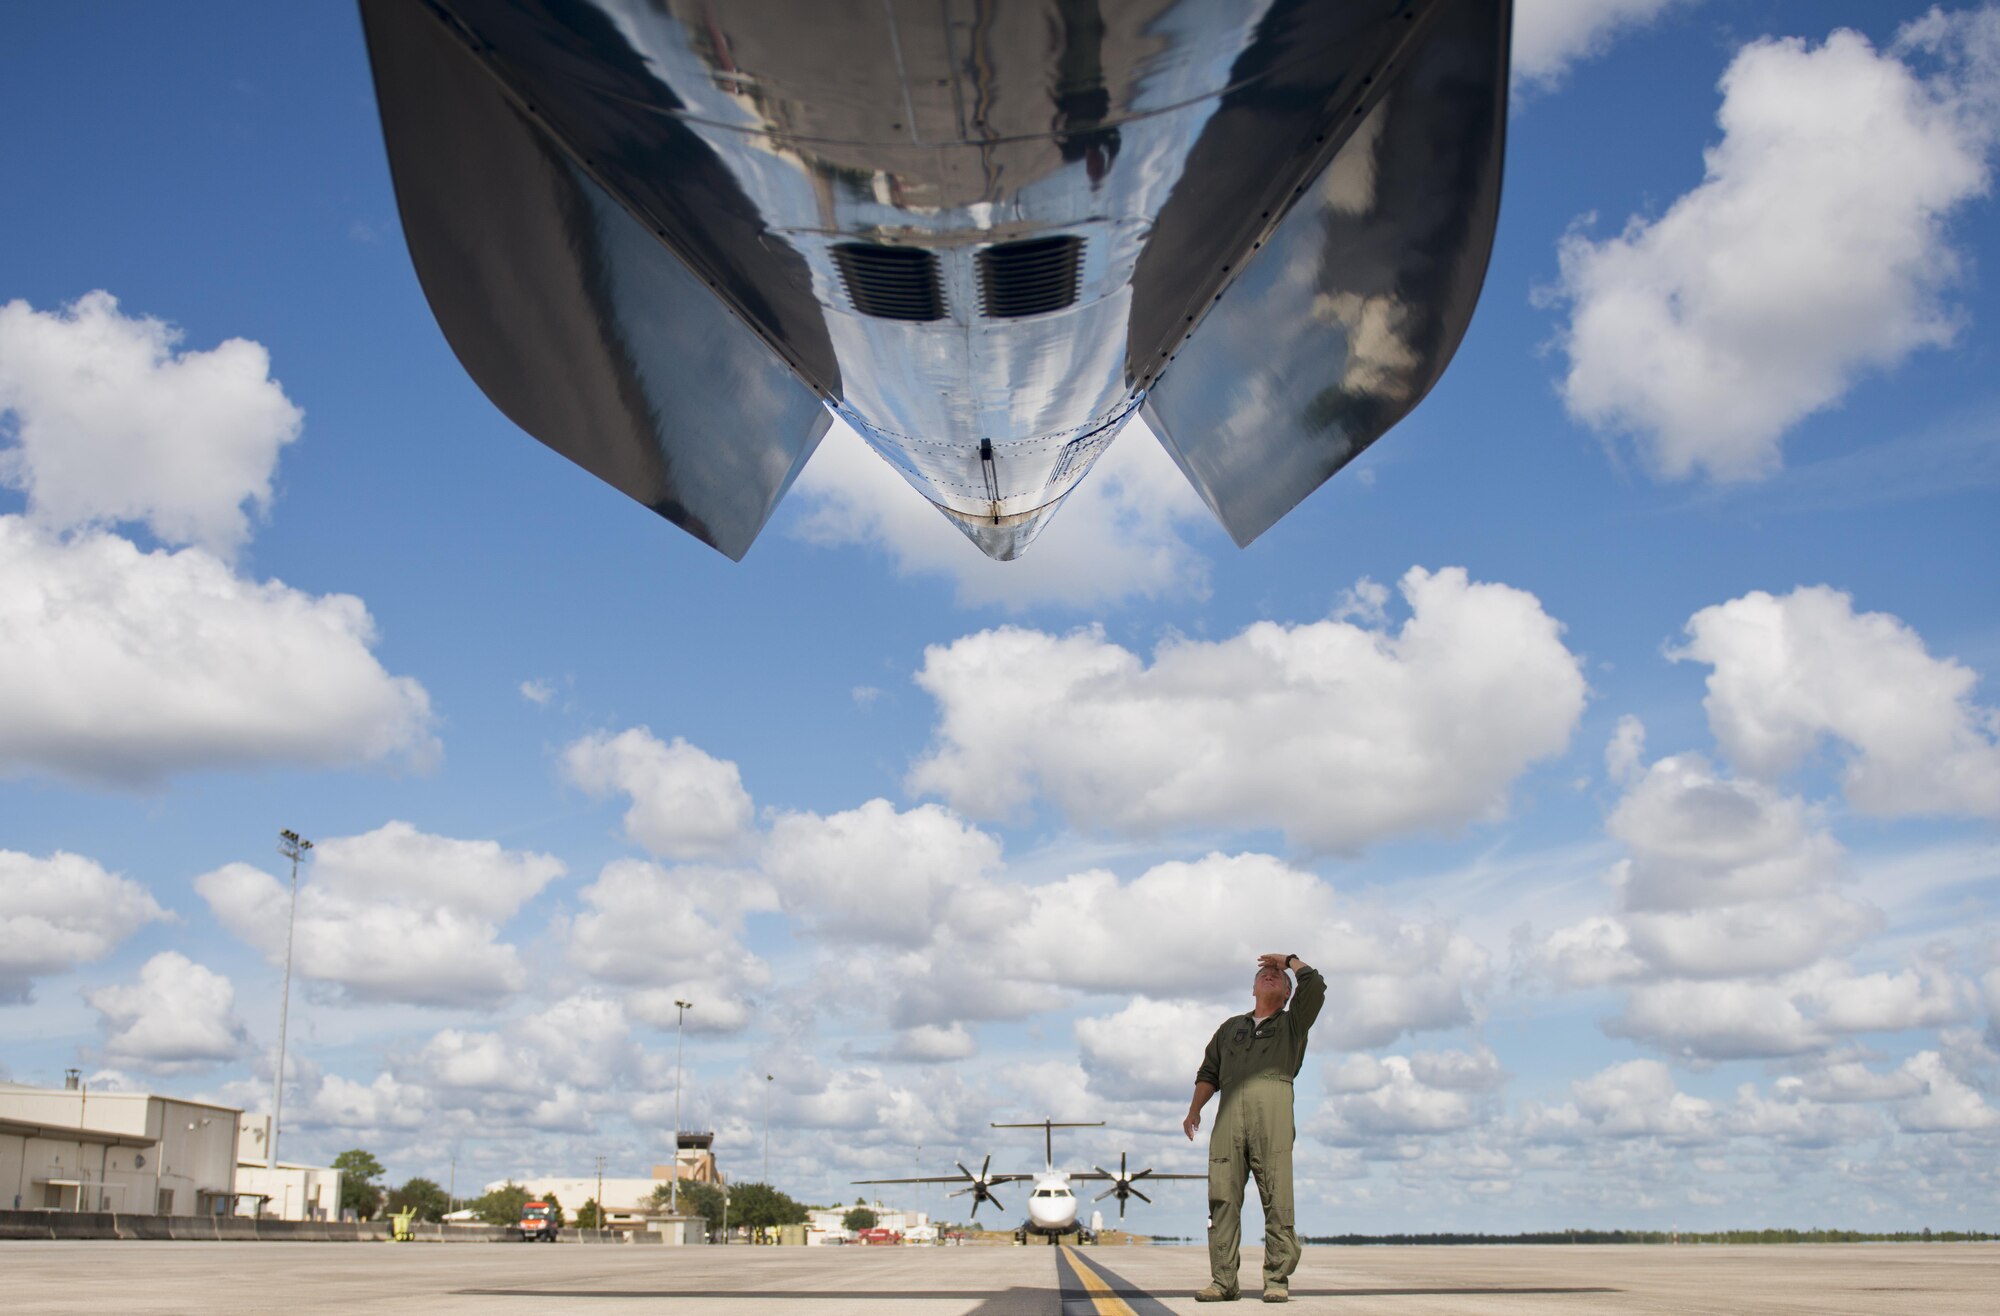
614 164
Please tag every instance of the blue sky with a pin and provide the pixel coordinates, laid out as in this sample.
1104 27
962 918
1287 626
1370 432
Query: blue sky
1620 732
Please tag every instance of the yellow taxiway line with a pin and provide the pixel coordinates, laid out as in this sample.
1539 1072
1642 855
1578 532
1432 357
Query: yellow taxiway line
1104 1300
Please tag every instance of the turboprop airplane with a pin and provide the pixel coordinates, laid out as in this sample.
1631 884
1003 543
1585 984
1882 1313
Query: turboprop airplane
1052 1204
676 239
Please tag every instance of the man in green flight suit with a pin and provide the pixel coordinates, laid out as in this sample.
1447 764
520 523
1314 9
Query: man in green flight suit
1251 1061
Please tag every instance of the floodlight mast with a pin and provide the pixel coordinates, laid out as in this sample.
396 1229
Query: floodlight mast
674 1184
291 845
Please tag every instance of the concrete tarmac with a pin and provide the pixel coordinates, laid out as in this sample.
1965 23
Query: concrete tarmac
140 1277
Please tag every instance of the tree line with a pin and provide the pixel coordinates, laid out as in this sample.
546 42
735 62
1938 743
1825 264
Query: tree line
1656 1236
754 1204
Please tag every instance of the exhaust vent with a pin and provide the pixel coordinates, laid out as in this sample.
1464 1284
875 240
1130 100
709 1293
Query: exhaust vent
891 283
1029 278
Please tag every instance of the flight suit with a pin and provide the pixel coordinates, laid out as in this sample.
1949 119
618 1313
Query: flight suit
1252 1066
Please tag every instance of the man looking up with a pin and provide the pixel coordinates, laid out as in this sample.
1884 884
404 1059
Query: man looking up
1251 1061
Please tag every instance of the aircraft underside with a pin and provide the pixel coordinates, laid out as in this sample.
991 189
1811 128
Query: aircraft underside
674 239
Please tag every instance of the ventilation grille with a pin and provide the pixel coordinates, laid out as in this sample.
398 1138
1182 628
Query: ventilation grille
892 283
1029 278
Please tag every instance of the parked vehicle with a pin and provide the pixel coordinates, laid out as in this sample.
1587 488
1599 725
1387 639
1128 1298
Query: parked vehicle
539 1222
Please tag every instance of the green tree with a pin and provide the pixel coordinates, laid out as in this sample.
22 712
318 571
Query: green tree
588 1216
422 1196
359 1192
759 1204
702 1199
503 1205
858 1219
555 1207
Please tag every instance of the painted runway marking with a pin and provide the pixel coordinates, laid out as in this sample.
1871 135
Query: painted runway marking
1088 1289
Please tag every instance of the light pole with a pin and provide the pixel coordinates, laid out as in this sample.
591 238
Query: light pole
767 1129
291 845
674 1184
600 1197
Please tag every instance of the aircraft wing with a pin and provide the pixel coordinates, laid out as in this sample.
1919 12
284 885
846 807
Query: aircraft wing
1147 1175
571 315
1349 313
959 1179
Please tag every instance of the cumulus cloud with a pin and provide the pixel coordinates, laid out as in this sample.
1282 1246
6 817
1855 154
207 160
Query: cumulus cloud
1636 1099
111 423
1793 672
1389 1098
1947 1103
1725 878
1147 1051
1122 534
59 912
124 666
393 915
1185 929
1815 249
1552 35
1795 1013
1336 733
876 874
179 1016
670 934
1730 925
686 804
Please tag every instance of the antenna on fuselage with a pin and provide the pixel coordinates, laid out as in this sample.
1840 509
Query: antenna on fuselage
1048 1128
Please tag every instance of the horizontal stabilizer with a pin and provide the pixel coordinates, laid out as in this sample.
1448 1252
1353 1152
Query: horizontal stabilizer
572 316
1346 317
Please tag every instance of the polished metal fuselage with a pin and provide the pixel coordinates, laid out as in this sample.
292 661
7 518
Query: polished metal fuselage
753 139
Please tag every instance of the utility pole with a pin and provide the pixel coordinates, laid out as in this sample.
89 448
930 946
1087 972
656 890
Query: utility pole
291 845
674 1184
767 1129
600 1196
451 1193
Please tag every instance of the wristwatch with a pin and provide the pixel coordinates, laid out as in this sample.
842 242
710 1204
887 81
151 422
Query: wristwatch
1290 958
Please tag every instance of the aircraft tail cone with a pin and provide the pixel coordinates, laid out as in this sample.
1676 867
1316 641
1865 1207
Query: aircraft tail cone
1002 538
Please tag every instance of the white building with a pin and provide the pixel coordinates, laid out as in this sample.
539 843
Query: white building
71 1149
285 1191
823 1224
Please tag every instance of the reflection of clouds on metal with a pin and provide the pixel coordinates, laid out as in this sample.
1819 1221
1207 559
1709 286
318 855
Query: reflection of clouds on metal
658 235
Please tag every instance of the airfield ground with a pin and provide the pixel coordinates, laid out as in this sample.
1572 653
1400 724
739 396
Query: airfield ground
139 1277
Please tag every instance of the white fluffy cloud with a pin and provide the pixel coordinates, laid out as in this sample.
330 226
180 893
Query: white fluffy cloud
1148 1051
393 915
1195 929
1815 249
670 933
1636 1099
1946 1103
1391 1098
59 912
1551 35
1794 671
686 804
126 666
1121 534
1730 926
178 1016
1337 733
1792 1014
875 874
111 423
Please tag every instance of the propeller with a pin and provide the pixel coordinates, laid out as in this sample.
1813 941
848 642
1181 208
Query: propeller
981 1185
1122 1184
